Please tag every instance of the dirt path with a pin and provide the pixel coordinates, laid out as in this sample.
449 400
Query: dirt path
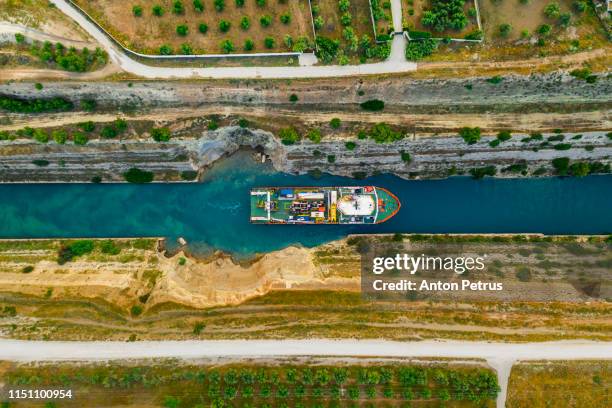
527 122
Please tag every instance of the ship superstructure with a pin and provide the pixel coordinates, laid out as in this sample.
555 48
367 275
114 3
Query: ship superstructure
322 205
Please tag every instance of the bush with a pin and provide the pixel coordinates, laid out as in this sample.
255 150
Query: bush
40 162
383 133
561 165
331 158
41 136
109 132
160 134
494 143
480 172
245 23
470 135
405 157
416 50
419 35
373 105
544 29
350 145
289 136
335 123
20 105
505 29
186 49
19 38
327 49
108 247
75 249
314 135
224 26
27 269
249 44
552 10
523 274
189 175
136 310
79 138
137 11
59 136
495 79
203 28
239 3
219 5
504 136
135 175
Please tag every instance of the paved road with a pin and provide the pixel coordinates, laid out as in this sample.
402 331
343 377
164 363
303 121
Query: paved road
500 356
395 64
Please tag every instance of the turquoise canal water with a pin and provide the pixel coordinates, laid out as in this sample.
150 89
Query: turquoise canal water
214 214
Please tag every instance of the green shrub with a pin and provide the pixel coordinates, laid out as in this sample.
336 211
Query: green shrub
285 18
158 10
470 135
314 135
198 6
445 14
165 49
189 175
331 158
480 172
405 157
561 165
417 50
227 46
219 5
59 136
243 123
504 135
160 134
350 145
335 123
289 136
40 162
183 30
269 42
383 133
373 105
108 247
203 28
494 143
135 175
109 132
249 44
265 20
20 105
505 29
79 138
41 136
137 11
27 269
495 79
19 38
136 310
177 7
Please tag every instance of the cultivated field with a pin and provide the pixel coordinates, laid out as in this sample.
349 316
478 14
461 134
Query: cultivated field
271 383
584 384
209 31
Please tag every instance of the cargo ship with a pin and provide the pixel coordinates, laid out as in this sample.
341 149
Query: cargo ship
322 205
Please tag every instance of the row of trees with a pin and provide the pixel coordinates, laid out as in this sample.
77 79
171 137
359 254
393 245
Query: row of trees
69 59
445 14
178 8
35 105
60 136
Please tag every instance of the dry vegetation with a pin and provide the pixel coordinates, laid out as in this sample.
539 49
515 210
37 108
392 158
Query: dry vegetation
293 293
565 384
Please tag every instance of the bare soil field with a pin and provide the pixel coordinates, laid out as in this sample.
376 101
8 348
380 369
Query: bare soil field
148 32
584 384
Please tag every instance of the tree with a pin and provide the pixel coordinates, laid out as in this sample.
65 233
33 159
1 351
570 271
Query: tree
182 30
552 10
318 22
285 18
265 20
135 175
137 11
505 29
261 3
224 26
198 6
565 19
406 158
239 3
227 46
41 136
346 19
19 38
350 145
177 7
158 10
165 50
219 5
245 23
249 44
335 123
579 5
269 42
445 14
293 98
327 48
580 169
186 49
203 28
108 132
504 135
344 5
160 134
470 135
